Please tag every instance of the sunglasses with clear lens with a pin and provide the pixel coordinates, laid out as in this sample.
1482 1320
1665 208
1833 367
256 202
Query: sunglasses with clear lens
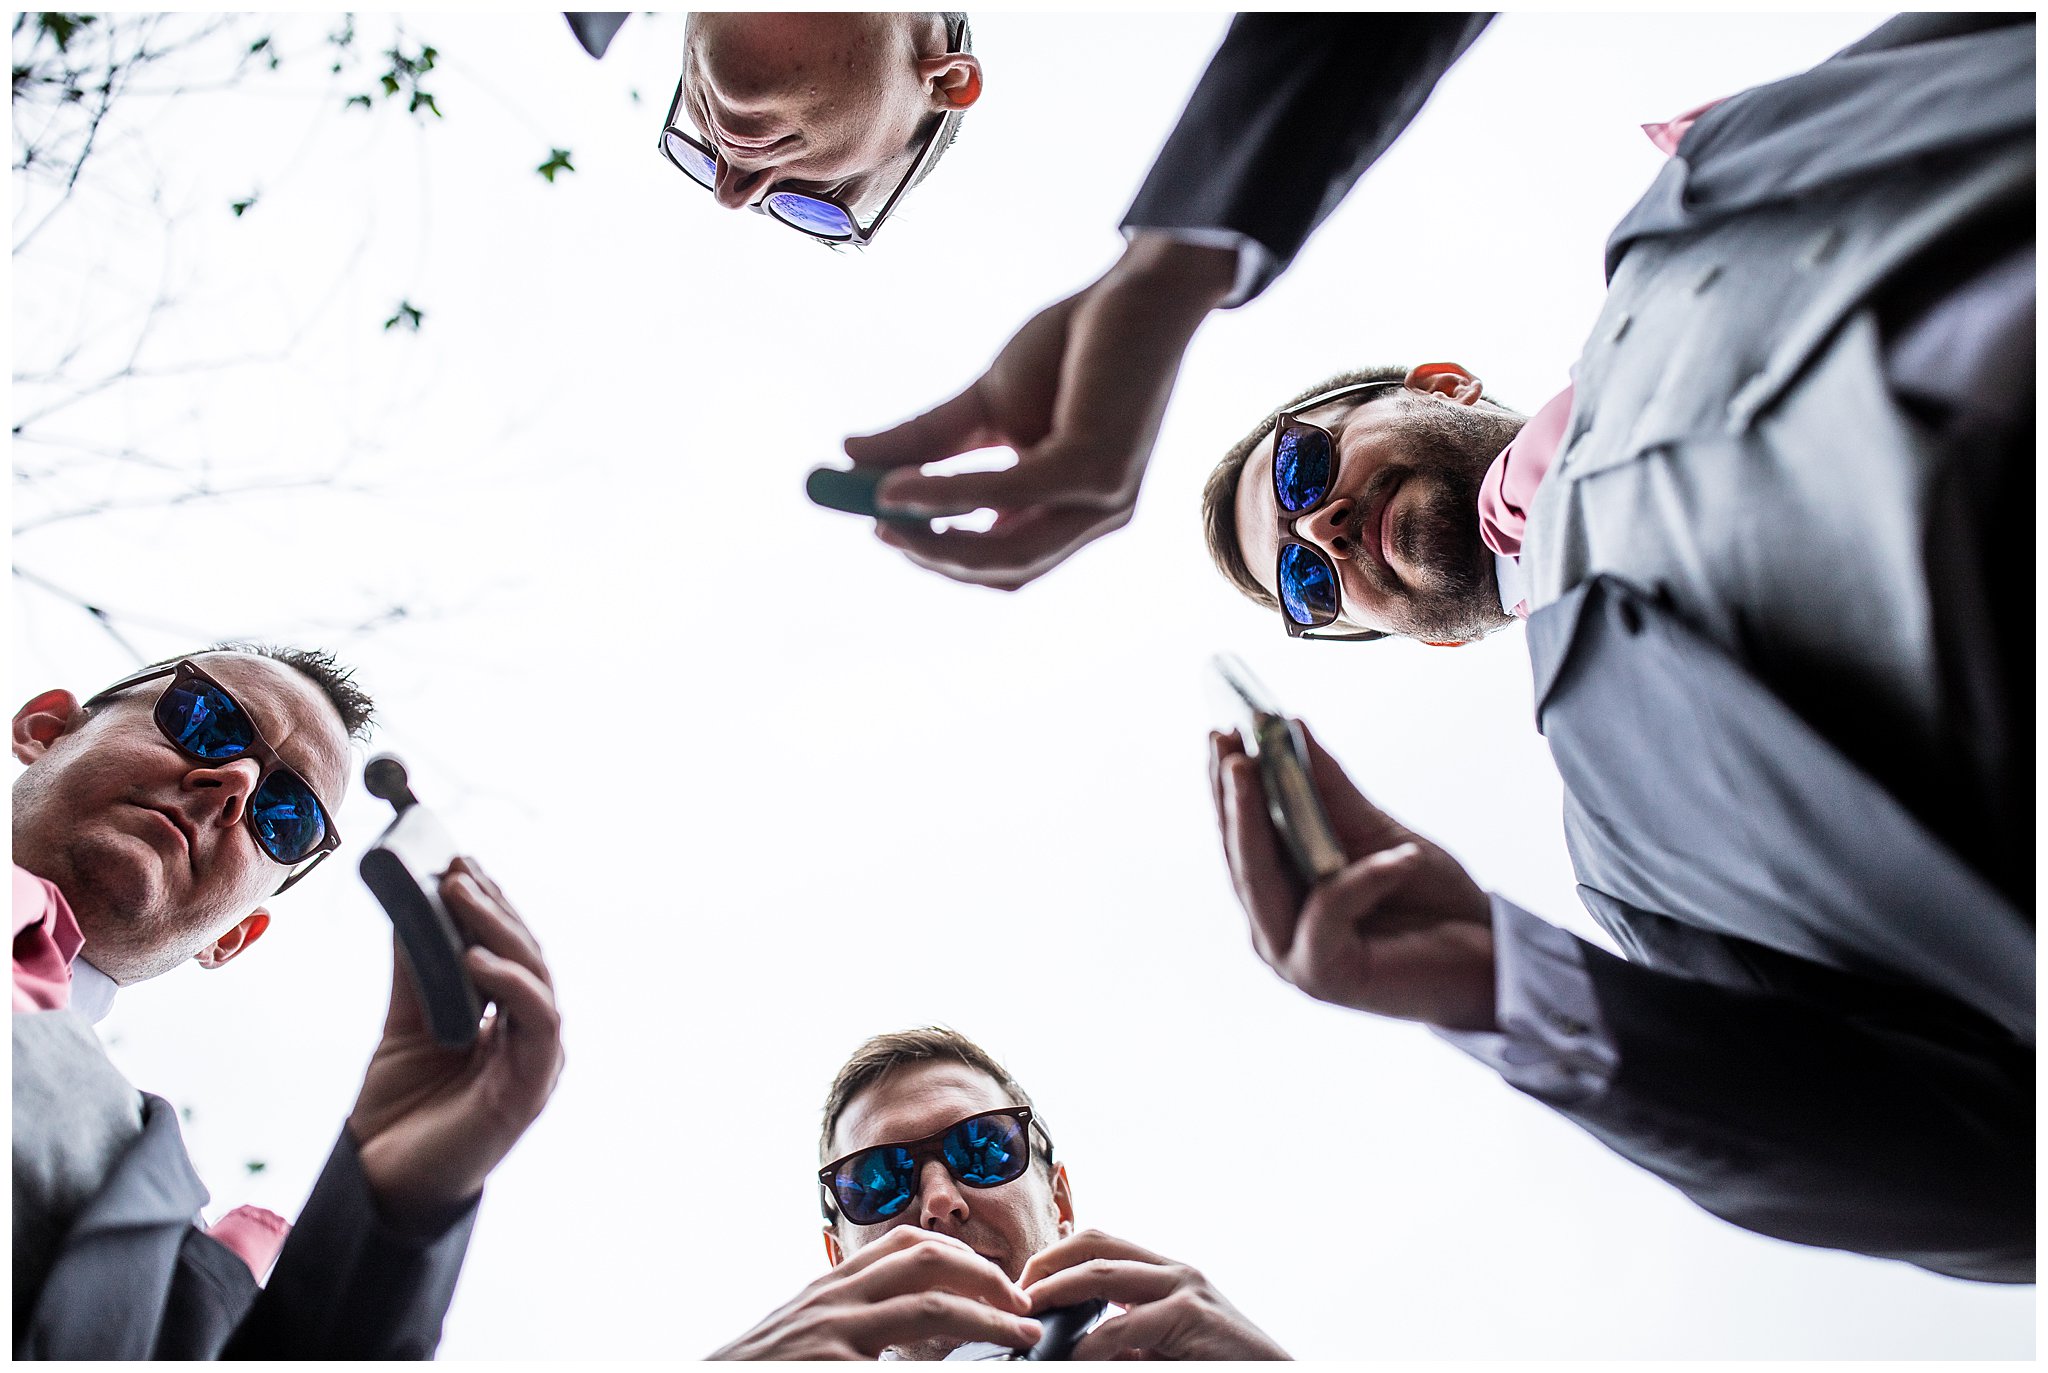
879 1182
1304 471
204 721
822 217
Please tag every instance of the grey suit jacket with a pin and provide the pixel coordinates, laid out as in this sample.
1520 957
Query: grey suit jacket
1789 778
1798 766
133 1277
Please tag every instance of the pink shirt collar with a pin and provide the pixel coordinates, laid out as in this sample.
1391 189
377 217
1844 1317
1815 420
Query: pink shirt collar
46 941
1510 484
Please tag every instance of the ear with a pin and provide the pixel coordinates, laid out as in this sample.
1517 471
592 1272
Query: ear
231 945
1063 1200
43 721
835 1253
1445 379
951 81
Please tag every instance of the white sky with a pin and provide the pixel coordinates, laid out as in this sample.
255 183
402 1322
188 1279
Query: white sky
762 788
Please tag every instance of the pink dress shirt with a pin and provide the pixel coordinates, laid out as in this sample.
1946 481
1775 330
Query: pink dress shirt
46 943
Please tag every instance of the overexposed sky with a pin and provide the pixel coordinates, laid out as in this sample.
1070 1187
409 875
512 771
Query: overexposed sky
761 787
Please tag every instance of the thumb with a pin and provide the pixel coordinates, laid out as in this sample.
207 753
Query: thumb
1358 890
960 425
1361 826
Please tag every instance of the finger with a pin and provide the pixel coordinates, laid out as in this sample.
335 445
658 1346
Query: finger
491 922
1018 549
1053 474
1332 958
1216 776
1361 826
1259 872
930 495
1127 1282
957 426
895 1242
1149 1330
528 1020
937 1315
939 1268
1081 1248
475 869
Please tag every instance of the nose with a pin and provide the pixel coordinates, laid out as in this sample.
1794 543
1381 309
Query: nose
940 1203
232 783
737 187
1328 527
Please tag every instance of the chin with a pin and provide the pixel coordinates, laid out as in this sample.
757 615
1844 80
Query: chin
114 890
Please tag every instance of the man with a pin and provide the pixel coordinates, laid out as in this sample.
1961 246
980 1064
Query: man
821 121
1796 771
1770 545
152 824
949 1225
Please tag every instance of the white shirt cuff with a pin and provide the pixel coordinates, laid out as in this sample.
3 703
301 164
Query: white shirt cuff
1252 257
1552 1042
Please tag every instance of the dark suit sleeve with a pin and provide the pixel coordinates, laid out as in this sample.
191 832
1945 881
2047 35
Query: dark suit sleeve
348 1286
1291 111
1852 1117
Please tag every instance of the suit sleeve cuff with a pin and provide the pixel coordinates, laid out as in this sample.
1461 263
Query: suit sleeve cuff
1553 1042
1255 263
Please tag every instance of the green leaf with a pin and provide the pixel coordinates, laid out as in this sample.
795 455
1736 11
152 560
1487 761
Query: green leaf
558 161
408 317
362 100
63 27
260 44
255 1165
241 206
390 84
420 98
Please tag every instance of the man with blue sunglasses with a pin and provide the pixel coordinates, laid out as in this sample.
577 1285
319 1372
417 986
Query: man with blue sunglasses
822 122
950 1228
152 824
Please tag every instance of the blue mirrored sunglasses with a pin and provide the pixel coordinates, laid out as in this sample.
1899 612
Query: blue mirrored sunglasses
879 1182
204 721
1304 472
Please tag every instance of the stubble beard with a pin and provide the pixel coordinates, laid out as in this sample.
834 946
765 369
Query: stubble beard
119 909
1450 449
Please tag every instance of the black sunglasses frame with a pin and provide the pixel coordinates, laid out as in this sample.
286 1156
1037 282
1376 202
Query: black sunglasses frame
857 237
926 1149
1290 420
259 748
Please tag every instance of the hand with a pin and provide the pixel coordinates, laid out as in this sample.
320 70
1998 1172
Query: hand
1170 1310
1400 931
432 1122
909 1286
1078 394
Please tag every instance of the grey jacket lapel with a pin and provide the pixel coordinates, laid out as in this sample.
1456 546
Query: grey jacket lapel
105 1296
1839 121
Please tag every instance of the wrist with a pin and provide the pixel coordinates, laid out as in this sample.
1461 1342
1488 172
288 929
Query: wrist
1196 278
